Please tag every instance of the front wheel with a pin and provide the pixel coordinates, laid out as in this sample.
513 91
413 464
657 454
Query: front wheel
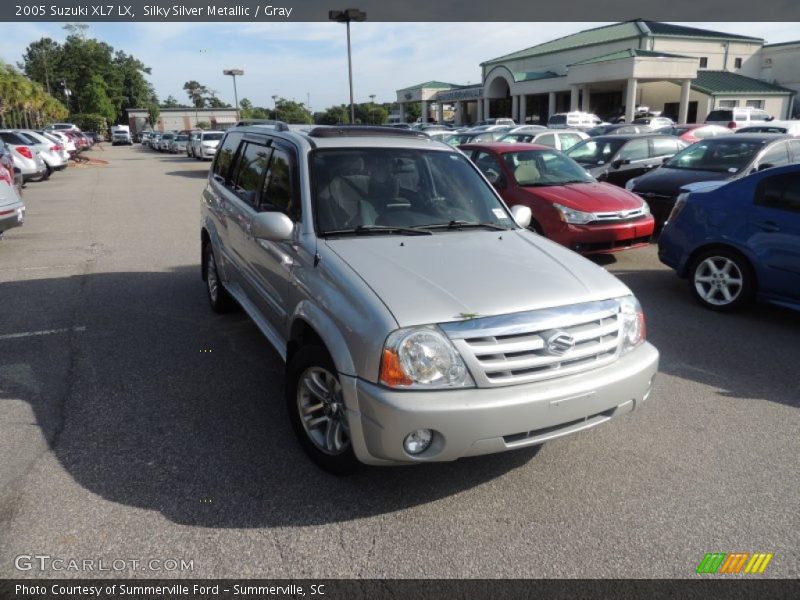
218 297
722 280
317 411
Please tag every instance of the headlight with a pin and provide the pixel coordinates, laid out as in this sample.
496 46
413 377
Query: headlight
645 208
422 357
680 202
629 184
632 326
575 217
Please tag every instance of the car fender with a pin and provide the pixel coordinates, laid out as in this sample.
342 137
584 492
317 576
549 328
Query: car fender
329 333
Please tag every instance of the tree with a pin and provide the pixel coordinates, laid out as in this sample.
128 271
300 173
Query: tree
152 113
335 115
203 125
95 100
172 102
290 111
413 112
25 103
214 102
197 93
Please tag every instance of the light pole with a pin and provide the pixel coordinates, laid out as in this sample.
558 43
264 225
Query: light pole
346 16
275 102
233 73
371 106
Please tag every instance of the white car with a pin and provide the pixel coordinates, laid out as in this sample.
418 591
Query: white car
205 145
733 118
573 119
12 210
52 152
560 139
67 143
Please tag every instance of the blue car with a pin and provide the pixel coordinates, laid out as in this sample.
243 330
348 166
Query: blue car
738 241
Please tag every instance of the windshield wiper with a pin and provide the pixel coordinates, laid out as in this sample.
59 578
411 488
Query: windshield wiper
367 229
461 225
575 181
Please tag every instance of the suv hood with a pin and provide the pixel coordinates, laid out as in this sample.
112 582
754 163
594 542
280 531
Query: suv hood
588 197
446 276
669 181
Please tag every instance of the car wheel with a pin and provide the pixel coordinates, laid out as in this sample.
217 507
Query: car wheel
722 280
47 173
218 297
536 228
317 412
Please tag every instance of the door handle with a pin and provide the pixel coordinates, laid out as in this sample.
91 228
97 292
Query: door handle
768 226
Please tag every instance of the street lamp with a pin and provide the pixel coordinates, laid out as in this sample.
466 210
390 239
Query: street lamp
346 16
275 102
371 106
233 73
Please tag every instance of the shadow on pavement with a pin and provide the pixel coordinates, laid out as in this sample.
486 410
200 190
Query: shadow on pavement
161 404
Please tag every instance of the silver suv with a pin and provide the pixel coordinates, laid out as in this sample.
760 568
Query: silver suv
420 320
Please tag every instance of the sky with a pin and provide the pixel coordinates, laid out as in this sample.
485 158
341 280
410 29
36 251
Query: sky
307 62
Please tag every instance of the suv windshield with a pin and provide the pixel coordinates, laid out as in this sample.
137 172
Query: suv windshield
544 167
594 151
212 136
726 154
367 189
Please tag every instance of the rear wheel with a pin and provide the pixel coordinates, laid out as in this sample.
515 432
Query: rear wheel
317 412
722 280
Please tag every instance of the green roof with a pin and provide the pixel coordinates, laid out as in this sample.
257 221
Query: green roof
782 44
615 32
534 75
436 85
724 82
630 53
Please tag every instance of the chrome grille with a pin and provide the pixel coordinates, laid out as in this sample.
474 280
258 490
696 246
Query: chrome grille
513 349
622 215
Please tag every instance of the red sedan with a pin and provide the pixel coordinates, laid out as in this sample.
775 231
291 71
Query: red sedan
698 131
569 206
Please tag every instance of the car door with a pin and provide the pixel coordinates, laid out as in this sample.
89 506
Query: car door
632 160
776 241
546 139
272 261
774 155
663 148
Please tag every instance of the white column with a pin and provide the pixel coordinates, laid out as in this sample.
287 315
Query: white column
439 113
486 109
683 109
574 90
402 112
630 100
585 97
479 109
423 110
523 109
551 104
515 108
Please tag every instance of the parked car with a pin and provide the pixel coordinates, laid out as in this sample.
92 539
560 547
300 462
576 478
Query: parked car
65 141
94 136
497 121
694 132
155 140
205 146
528 128
179 143
619 158
733 118
193 135
618 128
573 120
738 241
165 141
26 158
145 139
561 139
12 209
419 319
653 122
717 158
7 167
469 137
58 141
786 127
569 206
52 153
62 127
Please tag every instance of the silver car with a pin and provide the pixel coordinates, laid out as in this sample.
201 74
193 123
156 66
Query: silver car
178 143
205 145
165 141
419 318
52 152
26 157
12 209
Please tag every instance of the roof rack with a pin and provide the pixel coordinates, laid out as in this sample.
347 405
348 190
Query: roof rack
277 125
363 131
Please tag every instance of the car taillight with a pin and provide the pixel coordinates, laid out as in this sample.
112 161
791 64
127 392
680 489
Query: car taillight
55 148
732 125
24 151
6 175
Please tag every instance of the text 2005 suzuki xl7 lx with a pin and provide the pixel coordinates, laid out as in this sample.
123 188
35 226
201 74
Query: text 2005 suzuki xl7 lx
419 318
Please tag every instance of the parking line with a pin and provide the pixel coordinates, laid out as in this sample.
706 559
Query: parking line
13 336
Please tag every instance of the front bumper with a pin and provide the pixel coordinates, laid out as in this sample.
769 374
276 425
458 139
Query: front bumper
477 421
11 216
606 237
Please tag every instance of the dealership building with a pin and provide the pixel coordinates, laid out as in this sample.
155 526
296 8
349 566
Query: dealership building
180 119
685 72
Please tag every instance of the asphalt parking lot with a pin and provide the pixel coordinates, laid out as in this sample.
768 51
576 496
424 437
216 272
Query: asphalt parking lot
136 424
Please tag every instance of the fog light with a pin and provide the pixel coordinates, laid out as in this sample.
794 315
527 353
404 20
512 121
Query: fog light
418 441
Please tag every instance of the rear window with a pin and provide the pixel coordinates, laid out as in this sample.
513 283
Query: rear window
557 120
720 115
212 136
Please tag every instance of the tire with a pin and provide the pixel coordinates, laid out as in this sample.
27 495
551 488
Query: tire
536 228
47 173
312 383
722 280
219 299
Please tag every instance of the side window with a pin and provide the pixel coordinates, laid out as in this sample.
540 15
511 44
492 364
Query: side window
795 147
774 157
252 165
279 190
781 192
568 140
489 166
665 146
227 151
548 139
635 149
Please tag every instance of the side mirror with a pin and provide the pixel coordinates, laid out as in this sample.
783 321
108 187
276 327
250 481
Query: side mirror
616 164
273 226
522 215
770 118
